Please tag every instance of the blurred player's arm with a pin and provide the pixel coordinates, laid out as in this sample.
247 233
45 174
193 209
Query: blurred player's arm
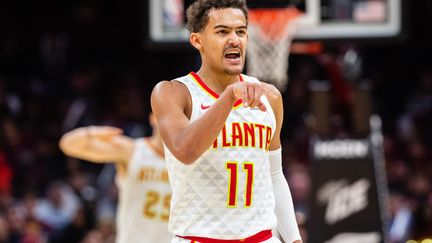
99 144
171 104
284 208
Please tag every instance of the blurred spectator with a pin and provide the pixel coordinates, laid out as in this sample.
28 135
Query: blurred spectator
82 104
401 212
422 227
33 233
94 236
77 229
10 103
4 230
58 209
6 175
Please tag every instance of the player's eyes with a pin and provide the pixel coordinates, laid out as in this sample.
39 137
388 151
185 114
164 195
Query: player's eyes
224 32
241 32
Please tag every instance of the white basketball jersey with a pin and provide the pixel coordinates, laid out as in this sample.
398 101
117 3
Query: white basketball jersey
144 197
227 192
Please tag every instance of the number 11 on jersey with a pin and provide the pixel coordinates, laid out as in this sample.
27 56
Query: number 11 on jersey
232 168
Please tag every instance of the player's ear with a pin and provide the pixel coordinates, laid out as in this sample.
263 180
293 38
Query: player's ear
195 40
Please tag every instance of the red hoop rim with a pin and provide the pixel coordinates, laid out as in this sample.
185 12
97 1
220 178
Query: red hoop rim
288 13
272 21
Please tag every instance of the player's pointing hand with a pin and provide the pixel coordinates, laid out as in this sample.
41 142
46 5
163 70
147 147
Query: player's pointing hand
250 93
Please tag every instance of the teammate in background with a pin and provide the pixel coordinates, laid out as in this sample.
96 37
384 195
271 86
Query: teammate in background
221 130
142 179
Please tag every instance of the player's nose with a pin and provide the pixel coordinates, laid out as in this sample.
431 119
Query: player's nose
233 39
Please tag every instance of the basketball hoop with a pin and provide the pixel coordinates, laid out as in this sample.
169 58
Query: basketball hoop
270 34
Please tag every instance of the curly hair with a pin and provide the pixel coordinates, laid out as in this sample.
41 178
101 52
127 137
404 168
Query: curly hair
198 12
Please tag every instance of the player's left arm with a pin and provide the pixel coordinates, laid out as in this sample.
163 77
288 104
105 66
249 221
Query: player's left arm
284 208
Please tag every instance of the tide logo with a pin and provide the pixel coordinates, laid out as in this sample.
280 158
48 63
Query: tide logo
343 199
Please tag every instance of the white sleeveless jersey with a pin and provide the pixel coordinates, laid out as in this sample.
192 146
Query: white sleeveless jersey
227 192
144 196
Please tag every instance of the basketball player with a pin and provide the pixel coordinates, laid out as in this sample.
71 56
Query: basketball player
221 131
142 179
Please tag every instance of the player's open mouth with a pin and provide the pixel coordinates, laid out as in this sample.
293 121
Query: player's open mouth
233 56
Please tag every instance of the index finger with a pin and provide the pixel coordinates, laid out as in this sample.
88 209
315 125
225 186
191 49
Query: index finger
245 99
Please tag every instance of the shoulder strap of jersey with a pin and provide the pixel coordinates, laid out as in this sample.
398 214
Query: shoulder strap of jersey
190 83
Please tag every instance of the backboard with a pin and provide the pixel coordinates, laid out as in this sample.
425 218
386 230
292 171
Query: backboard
323 19
356 19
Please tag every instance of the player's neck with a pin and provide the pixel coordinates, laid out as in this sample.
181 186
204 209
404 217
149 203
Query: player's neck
156 141
217 81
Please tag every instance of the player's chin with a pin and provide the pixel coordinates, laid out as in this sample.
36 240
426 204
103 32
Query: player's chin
234 69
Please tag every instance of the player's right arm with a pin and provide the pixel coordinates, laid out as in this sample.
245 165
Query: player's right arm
99 144
172 105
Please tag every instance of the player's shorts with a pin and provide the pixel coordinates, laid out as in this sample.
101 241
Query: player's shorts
272 239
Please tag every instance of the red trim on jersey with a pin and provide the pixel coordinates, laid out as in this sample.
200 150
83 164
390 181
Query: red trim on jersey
258 237
209 90
204 85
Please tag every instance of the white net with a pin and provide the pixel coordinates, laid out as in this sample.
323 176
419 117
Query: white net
270 36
